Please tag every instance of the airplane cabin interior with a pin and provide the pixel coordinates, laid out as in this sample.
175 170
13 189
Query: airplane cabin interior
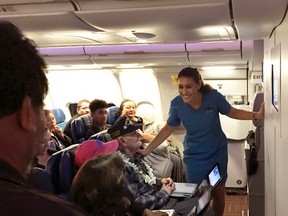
117 49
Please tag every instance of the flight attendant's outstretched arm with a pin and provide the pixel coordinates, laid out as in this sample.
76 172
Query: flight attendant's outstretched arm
247 115
163 134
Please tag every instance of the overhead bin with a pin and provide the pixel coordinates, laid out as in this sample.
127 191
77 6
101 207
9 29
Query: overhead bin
34 8
149 60
190 25
83 22
61 51
256 19
53 29
54 24
135 49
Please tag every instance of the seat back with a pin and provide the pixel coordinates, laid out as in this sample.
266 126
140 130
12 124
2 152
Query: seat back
72 108
60 117
257 181
60 166
258 100
112 114
103 136
41 180
79 127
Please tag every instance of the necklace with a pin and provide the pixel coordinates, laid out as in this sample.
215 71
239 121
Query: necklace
148 178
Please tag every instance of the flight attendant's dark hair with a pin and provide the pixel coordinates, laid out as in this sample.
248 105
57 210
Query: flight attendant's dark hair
196 76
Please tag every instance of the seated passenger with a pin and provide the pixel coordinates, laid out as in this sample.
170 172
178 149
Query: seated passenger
58 139
140 180
82 109
98 185
98 114
42 155
164 163
38 177
128 108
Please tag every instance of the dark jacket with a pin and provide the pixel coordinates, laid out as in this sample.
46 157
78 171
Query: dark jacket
18 198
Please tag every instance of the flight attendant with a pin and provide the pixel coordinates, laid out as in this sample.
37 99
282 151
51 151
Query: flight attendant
197 107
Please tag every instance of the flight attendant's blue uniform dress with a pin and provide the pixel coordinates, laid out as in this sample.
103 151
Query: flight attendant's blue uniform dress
205 144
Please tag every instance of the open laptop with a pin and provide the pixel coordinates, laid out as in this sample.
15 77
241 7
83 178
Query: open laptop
202 204
188 189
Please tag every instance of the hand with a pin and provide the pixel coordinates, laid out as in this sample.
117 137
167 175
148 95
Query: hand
58 130
262 110
168 185
167 181
261 113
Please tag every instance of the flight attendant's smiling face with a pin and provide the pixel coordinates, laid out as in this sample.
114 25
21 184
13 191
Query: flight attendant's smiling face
189 89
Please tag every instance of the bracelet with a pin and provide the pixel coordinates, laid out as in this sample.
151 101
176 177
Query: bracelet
254 116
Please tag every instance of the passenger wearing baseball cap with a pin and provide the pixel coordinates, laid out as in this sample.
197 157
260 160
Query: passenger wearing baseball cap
92 148
139 178
123 126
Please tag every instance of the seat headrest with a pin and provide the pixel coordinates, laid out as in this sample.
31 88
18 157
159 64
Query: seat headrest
112 114
79 127
258 100
59 115
60 168
72 108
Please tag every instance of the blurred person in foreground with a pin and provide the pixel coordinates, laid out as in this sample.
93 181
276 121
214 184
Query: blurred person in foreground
98 186
23 86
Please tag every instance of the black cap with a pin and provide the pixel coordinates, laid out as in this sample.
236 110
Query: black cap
123 126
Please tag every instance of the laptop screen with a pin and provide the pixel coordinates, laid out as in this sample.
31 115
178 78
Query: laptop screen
203 201
215 176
